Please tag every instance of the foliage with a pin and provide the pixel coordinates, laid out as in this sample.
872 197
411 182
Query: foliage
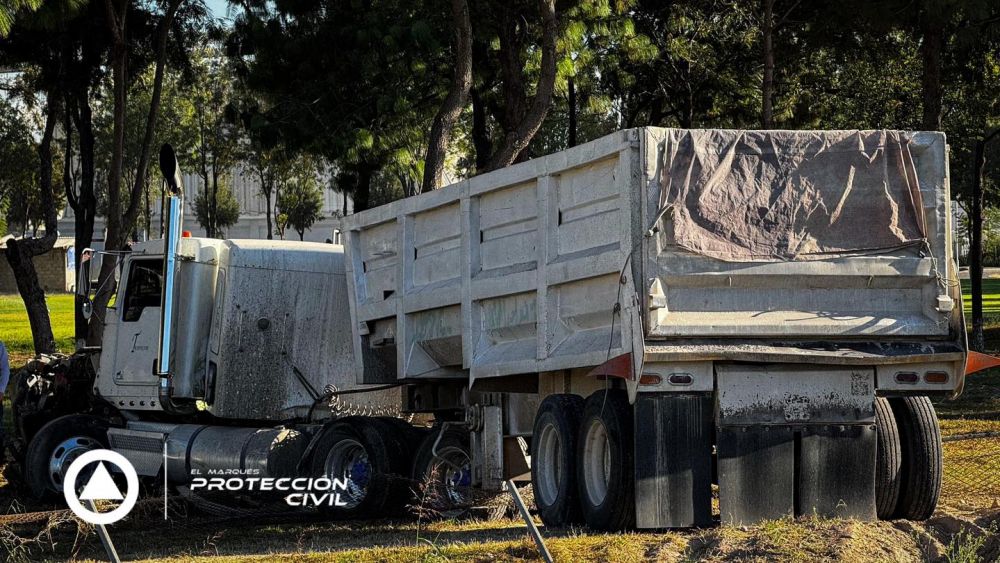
19 199
216 212
300 201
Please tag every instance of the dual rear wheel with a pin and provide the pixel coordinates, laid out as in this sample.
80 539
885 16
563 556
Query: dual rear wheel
908 466
582 461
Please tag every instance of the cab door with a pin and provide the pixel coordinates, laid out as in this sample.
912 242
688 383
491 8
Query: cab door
138 314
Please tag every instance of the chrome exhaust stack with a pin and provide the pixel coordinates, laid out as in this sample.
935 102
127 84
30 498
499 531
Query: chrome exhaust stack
174 221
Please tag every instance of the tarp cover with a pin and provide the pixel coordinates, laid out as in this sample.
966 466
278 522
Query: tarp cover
789 195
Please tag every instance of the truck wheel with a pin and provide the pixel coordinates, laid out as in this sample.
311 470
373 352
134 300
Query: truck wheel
364 453
56 446
920 474
444 481
605 462
553 459
887 460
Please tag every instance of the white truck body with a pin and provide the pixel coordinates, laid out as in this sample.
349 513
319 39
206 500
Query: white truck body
517 271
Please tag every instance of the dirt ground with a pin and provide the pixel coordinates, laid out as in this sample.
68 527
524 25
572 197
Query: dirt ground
964 529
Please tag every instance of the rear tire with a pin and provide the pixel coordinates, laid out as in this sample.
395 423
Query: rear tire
365 452
605 462
920 441
553 459
887 461
56 446
443 483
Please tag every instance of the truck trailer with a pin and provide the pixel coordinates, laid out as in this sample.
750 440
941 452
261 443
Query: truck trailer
643 323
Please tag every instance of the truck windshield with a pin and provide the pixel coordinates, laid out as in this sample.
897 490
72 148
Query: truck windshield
145 280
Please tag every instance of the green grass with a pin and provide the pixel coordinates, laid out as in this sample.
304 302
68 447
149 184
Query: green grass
991 297
15 332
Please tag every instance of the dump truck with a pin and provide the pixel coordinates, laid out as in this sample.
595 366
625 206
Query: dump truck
636 324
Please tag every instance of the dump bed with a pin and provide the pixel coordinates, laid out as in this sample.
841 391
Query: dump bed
656 237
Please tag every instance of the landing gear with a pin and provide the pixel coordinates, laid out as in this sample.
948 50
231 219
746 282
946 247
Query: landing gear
54 448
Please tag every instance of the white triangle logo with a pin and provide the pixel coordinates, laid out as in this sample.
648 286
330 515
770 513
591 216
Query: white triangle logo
101 486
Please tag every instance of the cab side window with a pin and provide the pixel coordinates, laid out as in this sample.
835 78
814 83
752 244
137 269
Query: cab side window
145 280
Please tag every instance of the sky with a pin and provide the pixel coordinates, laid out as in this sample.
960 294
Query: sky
218 7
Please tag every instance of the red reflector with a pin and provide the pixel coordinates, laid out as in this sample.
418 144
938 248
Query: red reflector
680 379
186 234
936 377
907 377
650 379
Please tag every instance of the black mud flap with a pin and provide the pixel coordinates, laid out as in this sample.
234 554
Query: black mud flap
756 473
836 469
673 460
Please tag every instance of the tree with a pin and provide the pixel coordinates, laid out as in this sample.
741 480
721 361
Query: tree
122 212
215 150
44 44
20 253
437 144
217 209
271 168
301 200
9 8
20 198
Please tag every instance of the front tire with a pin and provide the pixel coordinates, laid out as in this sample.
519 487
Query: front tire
54 448
605 462
920 441
553 459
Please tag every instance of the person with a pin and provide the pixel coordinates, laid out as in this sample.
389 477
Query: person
4 380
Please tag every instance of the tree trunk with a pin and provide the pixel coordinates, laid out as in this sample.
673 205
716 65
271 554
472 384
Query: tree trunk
444 121
516 140
363 189
931 47
268 190
480 131
767 84
976 242
214 202
572 111
19 256
119 225
20 253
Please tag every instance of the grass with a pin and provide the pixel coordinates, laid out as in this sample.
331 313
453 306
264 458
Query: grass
15 332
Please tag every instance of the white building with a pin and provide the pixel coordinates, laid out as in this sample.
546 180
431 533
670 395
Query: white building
252 222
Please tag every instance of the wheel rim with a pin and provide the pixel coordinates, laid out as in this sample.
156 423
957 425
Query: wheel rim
596 462
64 454
349 461
549 465
451 473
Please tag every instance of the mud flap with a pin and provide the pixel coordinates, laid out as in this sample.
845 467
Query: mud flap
795 440
673 460
836 469
756 473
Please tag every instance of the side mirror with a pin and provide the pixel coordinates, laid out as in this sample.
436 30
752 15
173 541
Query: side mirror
83 282
169 169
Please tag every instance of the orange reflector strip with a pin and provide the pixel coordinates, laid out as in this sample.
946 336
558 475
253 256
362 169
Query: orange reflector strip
978 362
650 379
186 234
936 377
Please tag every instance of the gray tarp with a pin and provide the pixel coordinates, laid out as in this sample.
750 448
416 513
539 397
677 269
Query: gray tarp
789 195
